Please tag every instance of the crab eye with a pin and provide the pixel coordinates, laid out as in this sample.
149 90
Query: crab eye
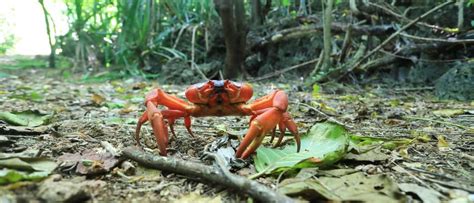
218 83
199 85
237 84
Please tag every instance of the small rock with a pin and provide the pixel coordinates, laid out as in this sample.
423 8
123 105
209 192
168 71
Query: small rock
457 83
4 140
369 169
128 168
56 190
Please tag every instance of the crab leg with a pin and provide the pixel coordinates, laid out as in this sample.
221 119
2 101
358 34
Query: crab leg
177 109
268 112
261 125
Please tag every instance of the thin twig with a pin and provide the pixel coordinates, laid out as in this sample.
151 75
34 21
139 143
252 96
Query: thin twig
454 41
278 72
205 173
193 64
403 170
436 121
428 172
179 35
330 118
413 88
423 60
448 184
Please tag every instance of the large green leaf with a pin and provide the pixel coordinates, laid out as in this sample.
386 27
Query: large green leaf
31 164
18 169
25 118
324 144
13 176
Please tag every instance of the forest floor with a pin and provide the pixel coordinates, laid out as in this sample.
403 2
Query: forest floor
73 125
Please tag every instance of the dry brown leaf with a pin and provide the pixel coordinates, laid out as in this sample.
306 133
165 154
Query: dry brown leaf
97 99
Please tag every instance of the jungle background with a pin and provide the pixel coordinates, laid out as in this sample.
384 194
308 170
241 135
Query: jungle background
381 91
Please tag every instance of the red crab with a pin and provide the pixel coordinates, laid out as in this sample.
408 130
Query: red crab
220 98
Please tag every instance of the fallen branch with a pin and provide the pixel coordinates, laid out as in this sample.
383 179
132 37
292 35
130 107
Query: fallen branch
356 65
402 17
205 173
307 30
454 41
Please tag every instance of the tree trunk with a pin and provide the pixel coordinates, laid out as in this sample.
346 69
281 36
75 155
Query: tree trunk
257 13
302 8
460 14
52 46
327 35
232 15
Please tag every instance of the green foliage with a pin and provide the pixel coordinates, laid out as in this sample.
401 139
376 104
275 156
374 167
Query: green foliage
6 43
25 62
7 40
325 144
316 91
24 166
469 3
129 33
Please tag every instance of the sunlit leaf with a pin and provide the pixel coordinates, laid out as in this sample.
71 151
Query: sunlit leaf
442 143
325 144
362 143
349 98
285 3
114 105
448 112
421 136
451 30
29 96
395 102
97 99
316 91
17 169
12 176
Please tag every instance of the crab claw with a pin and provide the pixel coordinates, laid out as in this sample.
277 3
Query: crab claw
263 124
160 129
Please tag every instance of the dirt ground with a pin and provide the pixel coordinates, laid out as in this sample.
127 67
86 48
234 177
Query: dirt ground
439 157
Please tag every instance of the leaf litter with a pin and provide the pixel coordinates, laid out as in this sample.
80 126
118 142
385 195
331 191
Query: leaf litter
399 145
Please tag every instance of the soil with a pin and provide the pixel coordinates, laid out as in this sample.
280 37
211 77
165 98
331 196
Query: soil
86 114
